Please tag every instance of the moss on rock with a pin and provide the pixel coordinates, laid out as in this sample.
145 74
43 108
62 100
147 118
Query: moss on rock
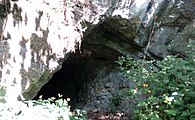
2 94
36 85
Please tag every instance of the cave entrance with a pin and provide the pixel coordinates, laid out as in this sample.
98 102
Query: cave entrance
78 69
101 46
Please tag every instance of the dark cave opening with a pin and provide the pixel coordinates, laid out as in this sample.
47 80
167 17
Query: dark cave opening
79 68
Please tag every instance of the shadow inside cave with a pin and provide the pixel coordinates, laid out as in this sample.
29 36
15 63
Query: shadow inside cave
67 81
78 69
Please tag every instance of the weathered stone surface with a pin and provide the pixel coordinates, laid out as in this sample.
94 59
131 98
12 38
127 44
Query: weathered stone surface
157 38
35 42
116 33
77 70
178 46
180 14
167 27
153 12
160 41
106 92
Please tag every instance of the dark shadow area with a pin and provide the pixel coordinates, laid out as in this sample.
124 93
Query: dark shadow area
5 6
78 69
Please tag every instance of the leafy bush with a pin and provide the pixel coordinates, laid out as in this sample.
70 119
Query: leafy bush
61 108
168 86
49 109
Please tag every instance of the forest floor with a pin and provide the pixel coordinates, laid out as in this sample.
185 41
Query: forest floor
97 115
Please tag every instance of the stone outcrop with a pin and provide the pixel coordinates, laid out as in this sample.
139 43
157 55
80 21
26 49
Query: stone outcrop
84 38
35 39
171 25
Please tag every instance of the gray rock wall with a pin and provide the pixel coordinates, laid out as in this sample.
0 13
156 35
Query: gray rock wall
38 35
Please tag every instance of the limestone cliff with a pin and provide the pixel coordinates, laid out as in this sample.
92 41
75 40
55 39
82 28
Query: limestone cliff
37 36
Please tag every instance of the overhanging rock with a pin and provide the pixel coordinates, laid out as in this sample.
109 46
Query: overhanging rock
36 38
38 35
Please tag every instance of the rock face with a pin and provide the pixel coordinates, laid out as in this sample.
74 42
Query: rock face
35 39
85 37
77 70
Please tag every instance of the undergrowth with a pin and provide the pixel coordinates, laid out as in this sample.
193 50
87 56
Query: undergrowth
50 109
167 86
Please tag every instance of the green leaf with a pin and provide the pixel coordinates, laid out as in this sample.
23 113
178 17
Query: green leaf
171 112
192 94
192 118
192 107
185 113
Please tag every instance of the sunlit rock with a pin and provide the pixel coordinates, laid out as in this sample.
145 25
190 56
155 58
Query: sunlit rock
37 36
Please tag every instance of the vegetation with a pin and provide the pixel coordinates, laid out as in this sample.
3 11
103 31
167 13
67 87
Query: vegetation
167 86
50 109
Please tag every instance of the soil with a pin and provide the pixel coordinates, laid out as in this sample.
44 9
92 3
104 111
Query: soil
98 115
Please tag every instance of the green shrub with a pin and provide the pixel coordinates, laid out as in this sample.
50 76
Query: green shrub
50 109
167 86
61 108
